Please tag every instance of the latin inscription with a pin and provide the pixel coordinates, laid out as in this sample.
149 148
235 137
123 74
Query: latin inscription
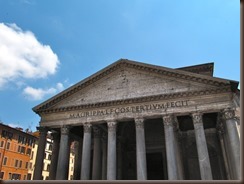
133 109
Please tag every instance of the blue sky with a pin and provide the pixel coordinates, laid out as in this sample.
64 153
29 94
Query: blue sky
47 46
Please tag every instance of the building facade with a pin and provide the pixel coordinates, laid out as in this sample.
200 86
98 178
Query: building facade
135 121
15 152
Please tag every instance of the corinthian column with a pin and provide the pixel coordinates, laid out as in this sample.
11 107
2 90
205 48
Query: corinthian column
86 152
40 153
63 157
170 147
140 150
202 150
111 159
233 141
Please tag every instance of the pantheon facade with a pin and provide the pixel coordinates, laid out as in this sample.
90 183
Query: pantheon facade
136 121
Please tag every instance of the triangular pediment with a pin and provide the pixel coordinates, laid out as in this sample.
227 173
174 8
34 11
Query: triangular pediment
127 79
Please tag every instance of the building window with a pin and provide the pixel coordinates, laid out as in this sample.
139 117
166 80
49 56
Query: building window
15 176
5 161
16 163
2 144
28 152
1 175
23 149
20 163
24 177
26 165
28 176
8 145
7 134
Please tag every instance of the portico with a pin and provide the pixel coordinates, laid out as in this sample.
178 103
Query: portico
134 121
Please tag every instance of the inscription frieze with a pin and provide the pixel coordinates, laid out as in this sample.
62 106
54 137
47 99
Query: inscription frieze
131 109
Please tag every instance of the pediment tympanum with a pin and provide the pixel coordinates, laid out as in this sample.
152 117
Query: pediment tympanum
128 80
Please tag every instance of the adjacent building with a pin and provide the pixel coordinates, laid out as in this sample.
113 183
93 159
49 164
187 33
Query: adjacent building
15 153
136 121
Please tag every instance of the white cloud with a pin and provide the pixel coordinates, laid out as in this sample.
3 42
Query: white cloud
22 56
39 93
14 125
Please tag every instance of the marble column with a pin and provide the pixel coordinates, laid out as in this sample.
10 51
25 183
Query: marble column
202 150
54 158
233 140
170 147
78 153
104 157
140 150
64 155
177 140
86 152
220 133
96 167
40 153
111 158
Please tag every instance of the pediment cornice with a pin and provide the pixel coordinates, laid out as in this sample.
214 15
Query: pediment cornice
183 75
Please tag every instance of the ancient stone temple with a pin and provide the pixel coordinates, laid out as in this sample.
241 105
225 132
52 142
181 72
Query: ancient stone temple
136 121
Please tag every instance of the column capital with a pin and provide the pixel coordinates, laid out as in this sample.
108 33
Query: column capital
96 131
42 130
65 129
228 113
112 125
139 122
168 120
197 118
87 127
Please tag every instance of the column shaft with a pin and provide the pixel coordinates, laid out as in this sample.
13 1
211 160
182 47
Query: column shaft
234 141
40 153
104 158
96 168
111 158
54 158
140 150
170 148
64 154
202 150
86 153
